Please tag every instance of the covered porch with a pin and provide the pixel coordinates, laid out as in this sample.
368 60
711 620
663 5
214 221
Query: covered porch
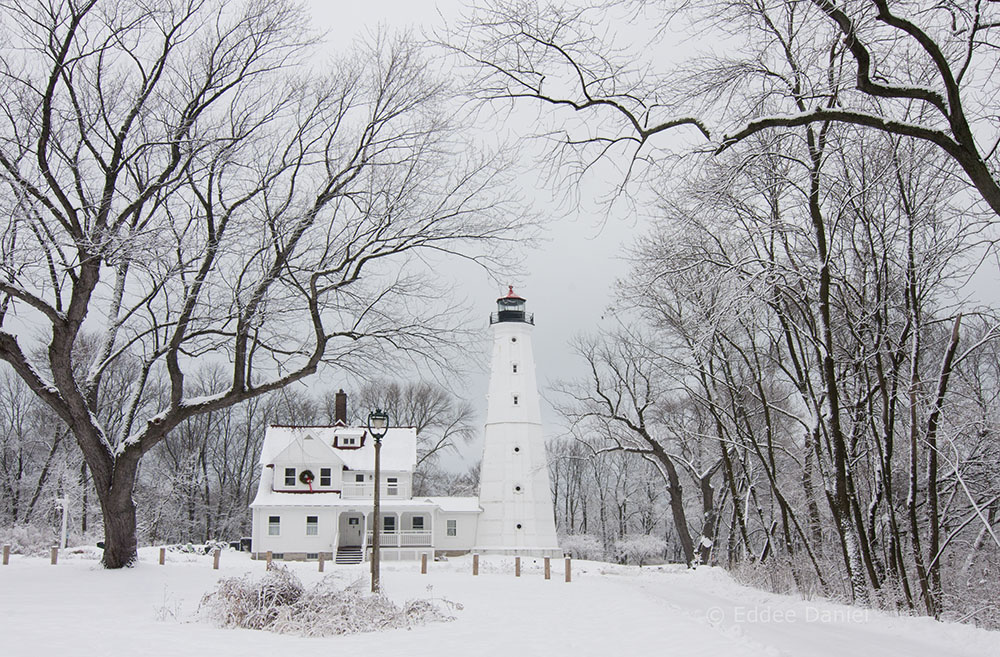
403 529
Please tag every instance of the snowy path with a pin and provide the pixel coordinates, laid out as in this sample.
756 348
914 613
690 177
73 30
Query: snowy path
78 610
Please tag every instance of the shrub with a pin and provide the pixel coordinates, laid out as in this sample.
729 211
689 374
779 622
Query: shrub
28 539
639 548
582 546
280 603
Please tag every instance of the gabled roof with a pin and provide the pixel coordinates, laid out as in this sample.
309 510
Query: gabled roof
399 446
305 448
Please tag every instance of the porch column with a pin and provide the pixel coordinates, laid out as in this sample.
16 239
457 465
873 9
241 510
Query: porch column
364 536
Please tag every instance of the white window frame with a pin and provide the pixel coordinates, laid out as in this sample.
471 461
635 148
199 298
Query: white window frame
413 523
274 525
451 527
386 520
312 528
326 476
290 478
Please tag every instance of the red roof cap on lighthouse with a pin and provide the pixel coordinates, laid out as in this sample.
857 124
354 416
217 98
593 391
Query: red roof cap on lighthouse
511 295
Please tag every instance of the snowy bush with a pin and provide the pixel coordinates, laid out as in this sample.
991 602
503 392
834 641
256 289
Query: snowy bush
199 548
582 546
640 548
280 603
28 539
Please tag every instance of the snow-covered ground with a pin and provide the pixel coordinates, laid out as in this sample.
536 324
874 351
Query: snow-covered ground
77 609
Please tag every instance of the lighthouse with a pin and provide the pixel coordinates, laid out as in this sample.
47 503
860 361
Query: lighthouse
514 492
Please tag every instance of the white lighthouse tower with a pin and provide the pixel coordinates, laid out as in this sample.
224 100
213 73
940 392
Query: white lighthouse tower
514 490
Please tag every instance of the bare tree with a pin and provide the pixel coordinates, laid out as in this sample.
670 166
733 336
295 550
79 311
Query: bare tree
179 183
443 422
908 70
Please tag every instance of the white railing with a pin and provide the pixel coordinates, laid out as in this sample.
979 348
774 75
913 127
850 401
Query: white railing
404 538
364 491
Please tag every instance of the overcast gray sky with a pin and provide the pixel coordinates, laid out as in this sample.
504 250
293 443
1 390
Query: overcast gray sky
567 278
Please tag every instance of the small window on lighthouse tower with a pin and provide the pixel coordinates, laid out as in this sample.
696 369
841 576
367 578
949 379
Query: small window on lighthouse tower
515 400
513 367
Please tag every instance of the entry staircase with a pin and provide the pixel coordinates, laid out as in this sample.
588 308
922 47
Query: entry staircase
349 554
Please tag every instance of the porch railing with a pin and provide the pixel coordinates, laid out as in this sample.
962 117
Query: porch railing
403 538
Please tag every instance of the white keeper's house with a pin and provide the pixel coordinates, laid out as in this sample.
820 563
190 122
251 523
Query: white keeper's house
315 495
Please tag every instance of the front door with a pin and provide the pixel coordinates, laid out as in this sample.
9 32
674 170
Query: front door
350 529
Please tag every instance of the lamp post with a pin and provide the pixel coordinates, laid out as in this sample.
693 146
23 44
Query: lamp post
378 425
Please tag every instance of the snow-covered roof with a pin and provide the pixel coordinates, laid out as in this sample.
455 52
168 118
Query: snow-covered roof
455 504
266 497
399 446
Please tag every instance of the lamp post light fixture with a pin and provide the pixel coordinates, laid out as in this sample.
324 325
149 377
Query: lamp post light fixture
378 425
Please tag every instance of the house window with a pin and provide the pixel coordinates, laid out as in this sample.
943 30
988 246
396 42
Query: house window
359 478
312 525
392 486
289 476
513 367
273 525
312 555
325 478
515 400
452 528
389 524
349 442
418 522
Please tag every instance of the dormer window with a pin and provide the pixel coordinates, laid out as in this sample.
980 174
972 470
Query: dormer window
289 476
348 441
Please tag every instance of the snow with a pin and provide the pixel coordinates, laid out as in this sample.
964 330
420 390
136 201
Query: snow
399 446
267 497
76 608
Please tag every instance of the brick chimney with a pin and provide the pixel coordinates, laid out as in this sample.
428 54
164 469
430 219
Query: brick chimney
340 408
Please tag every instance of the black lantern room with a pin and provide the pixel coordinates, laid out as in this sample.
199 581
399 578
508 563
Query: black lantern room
511 309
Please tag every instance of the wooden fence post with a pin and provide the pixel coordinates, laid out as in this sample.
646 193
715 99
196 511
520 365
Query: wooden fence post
6 555
215 559
548 571
322 564
517 566
163 555
55 555
475 564
569 576
268 560
423 563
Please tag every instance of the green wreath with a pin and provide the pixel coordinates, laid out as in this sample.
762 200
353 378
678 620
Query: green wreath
306 477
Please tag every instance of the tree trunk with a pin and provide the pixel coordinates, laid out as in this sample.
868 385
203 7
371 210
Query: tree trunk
118 512
120 545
